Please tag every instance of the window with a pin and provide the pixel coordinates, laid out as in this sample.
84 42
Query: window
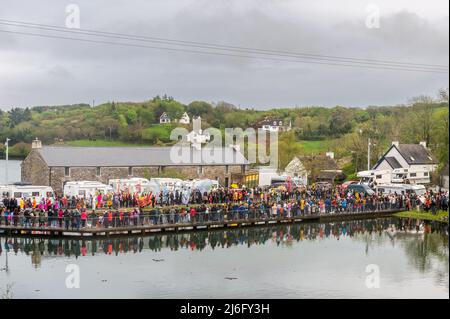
66 171
243 169
227 169
199 170
130 171
413 174
425 174
98 171
378 177
35 194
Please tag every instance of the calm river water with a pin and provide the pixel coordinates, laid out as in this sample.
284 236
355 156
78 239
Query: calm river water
287 261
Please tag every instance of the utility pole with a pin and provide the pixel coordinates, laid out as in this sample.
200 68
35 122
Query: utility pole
368 154
6 163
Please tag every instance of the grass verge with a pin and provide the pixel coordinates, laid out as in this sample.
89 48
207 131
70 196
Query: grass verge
441 215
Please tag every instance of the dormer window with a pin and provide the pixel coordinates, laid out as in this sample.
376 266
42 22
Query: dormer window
412 158
429 157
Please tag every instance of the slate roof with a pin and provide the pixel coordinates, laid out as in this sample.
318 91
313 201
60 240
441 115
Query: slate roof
416 154
393 162
58 156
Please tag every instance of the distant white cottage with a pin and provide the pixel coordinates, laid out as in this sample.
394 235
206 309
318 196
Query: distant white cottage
164 118
274 125
295 168
184 119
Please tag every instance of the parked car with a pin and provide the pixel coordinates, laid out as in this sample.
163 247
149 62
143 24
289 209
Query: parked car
360 188
347 183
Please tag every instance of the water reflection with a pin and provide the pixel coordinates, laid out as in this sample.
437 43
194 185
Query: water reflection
428 241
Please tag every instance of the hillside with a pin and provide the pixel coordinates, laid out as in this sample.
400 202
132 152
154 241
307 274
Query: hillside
340 129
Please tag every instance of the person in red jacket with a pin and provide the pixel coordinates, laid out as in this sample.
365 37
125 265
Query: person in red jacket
60 217
83 218
192 213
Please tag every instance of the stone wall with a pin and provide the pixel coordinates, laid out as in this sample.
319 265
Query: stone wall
56 177
34 169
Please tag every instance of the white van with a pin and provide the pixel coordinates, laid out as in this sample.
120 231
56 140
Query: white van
30 191
414 176
400 188
373 177
84 189
132 185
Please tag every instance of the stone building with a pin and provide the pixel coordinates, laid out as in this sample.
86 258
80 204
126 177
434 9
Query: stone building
55 165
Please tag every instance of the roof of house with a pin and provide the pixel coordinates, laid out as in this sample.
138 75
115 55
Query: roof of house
164 115
416 154
392 161
269 121
331 175
58 156
318 162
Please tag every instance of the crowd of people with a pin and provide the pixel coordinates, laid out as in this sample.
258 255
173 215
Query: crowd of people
122 209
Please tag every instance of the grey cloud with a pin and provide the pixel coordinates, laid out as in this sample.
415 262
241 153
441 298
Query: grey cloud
79 72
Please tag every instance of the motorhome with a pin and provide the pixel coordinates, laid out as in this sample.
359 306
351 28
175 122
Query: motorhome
27 191
84 189
392 188
130 185
167 183
373 177
412 176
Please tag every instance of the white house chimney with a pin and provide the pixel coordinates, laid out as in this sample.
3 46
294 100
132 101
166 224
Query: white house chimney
36 144
395 143
423 143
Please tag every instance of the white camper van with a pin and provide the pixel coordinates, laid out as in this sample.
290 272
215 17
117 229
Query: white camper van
131 185
419 190
413 176
84 189
28 191
373 177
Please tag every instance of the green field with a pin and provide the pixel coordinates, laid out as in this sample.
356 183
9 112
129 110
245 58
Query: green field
101 143
314 147
440 216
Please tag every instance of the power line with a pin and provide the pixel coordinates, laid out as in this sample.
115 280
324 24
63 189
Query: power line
219 47
224 54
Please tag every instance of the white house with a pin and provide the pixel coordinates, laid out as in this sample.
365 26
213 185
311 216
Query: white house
274 125
184 119
295 168
164 118
412 161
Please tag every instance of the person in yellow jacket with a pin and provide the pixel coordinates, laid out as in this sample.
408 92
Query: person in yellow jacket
22 203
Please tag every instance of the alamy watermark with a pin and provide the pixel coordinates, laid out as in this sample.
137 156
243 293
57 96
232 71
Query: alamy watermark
233 147
373 16
73 279
373 277
72 16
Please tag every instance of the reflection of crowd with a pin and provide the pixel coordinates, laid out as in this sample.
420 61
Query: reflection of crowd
215 205
279 235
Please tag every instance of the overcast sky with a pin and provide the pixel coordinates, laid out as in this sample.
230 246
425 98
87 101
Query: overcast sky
42 71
